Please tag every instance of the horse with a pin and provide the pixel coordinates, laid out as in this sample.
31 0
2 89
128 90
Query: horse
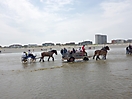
49 54
103 52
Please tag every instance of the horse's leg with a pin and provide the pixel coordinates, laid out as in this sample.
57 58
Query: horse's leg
105 56
40 59
48 58
43 59
97 57
94 56
52 58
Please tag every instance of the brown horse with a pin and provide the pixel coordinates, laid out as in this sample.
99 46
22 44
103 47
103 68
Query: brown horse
102 52
49 54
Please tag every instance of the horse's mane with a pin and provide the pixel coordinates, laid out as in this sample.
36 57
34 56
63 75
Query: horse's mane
54 51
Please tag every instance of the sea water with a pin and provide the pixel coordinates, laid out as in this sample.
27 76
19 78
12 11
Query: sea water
102 79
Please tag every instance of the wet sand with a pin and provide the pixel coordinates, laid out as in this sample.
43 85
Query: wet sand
103 79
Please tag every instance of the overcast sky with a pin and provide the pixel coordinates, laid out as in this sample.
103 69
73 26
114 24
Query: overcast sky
61 21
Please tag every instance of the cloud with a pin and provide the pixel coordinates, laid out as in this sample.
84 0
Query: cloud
63 20
114 9
118 17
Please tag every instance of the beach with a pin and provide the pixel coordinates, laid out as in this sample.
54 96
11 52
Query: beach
102 79
56 47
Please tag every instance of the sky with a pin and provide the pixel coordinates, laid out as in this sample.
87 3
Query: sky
63 21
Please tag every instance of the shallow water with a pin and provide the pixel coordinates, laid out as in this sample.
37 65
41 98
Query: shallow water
103 79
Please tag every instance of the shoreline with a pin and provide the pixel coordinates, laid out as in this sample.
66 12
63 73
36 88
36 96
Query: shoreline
58 48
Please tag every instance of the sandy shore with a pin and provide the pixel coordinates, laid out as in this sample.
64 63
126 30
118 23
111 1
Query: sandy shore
38 49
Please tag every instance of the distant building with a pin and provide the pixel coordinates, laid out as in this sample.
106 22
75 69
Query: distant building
48 44
85 43
58 44
71 43
129 41
100 39
118 41
15 46
32 45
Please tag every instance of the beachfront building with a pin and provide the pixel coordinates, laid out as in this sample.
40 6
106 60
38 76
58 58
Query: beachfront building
59 44
48 44
71 43
15 46
118 41
32 45
100 39
85 43
129 41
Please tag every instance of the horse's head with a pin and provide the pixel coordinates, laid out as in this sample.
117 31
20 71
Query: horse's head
107 48
54 51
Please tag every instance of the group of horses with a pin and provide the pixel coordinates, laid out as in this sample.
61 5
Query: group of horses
97 53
